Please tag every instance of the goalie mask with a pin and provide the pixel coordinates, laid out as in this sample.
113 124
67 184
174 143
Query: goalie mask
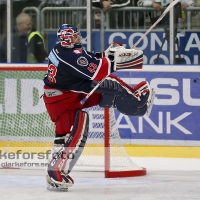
69 35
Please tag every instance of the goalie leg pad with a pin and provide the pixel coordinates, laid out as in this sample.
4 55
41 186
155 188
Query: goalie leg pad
138 95
129 108
142 111
65 159
113 87
107 100
145 95
142 91
129 101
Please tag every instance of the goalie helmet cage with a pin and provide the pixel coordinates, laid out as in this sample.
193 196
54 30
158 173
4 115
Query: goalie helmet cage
25 127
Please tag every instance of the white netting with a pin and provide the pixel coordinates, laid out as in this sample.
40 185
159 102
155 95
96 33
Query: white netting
93 154
27 132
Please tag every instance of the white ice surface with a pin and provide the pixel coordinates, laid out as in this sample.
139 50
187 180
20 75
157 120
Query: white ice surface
170 179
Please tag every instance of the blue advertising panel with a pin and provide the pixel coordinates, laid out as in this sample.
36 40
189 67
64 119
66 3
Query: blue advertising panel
176 111
189 44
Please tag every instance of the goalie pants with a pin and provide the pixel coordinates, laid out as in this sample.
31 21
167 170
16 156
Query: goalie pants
63 107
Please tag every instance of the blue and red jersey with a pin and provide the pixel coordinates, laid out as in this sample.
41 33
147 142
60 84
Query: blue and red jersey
75 68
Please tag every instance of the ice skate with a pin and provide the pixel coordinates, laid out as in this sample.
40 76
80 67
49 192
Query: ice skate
54 185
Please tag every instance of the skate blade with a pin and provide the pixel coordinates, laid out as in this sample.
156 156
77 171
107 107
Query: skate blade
150 102
51 188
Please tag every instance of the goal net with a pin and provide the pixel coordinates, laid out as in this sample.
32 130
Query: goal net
27 133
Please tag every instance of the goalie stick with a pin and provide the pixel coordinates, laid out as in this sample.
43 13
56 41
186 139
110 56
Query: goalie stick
92 91
172 4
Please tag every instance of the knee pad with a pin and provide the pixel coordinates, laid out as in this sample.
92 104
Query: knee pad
65 159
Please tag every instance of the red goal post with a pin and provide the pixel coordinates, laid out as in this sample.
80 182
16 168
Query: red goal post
25 124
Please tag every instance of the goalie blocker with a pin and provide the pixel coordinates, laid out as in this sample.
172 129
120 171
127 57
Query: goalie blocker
136 101
126 58
123 58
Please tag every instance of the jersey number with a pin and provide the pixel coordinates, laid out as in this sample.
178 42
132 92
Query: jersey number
92 67
52 73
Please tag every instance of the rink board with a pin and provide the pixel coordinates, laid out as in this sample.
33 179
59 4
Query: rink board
173 125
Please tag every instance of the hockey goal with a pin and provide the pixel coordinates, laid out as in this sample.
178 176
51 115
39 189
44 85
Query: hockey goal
26 132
